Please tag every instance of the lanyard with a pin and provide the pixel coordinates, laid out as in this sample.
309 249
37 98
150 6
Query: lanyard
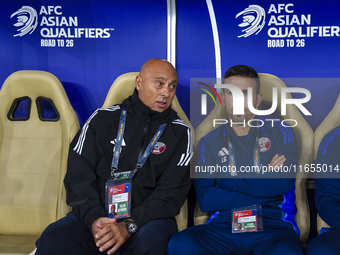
117 150
232 159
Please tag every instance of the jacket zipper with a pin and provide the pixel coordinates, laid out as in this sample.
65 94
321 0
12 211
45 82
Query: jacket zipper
144 139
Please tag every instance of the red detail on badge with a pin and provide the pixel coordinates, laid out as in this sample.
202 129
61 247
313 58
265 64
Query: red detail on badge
114 190
264 144
241 214
158 148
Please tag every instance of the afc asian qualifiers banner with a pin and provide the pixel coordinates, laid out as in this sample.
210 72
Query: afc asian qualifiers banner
85 45
291 40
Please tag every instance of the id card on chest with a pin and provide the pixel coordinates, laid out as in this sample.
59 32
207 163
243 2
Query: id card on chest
247 219
118 195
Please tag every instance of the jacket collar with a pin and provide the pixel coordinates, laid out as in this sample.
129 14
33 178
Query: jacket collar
250 136
143 112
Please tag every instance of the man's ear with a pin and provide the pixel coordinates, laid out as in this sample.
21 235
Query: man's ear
259 100
138 82
222 96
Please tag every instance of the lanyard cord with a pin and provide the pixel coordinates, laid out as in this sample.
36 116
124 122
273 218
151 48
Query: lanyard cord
120 135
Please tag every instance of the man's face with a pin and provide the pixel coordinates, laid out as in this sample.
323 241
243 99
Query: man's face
113 208
156 85
227 97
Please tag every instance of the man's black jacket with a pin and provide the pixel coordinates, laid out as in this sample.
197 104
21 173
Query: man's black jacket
159 188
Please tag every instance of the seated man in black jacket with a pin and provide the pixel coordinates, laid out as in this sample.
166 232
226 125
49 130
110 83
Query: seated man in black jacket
154 145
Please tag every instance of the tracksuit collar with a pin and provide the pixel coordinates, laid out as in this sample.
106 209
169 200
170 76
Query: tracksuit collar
142 111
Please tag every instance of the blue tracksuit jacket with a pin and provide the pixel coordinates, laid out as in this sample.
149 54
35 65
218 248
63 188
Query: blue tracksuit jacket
276 194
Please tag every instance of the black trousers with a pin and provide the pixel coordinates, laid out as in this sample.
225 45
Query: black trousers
69 237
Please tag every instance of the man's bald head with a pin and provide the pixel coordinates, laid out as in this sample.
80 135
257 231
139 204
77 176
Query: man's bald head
156 84
154 62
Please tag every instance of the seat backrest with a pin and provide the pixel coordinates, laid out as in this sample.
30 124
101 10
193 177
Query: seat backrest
37 124
122 88
304 135
329 123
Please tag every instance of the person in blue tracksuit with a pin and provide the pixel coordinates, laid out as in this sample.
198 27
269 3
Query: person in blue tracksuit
237 143
327 195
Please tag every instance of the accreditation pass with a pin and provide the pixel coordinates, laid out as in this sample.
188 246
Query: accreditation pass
119 200
246 220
